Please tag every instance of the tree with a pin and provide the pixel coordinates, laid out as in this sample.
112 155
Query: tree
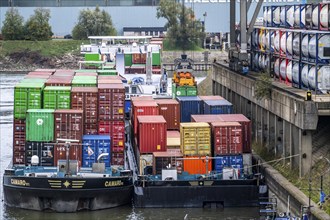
183 30
13 27
37 27
93 23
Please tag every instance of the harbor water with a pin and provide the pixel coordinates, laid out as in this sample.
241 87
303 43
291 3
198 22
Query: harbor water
7 83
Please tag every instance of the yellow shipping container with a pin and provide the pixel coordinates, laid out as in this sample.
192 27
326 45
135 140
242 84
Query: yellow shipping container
195 138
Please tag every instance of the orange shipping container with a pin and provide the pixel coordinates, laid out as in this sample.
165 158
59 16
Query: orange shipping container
197 165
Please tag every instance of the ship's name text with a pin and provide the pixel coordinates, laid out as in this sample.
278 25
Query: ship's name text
113 183
19 182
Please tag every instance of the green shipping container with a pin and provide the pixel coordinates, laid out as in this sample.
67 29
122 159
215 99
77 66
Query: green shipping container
173 90
92 57
40 125
84 81
85 71
109 72
128 59
191 90
33 80
57 97
181 91
156 59
27 96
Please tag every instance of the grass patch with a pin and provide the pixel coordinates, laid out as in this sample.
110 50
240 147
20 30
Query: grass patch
46 48
313 178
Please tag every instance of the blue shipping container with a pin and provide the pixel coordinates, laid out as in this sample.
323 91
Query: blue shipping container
235 161
189 105
93 146
127 106
218 107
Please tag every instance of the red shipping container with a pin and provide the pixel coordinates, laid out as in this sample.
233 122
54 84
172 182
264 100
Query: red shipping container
19 158
42 72
101 77
246 128
59 81
64 73
152 134
109 81
170 110
116 130
145 107
111 102
86 99
19 135
117 159
227 138
75 152
205 118
36 76
45 70
197 165
141 98
69 124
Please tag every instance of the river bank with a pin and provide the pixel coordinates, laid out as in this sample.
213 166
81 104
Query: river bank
26 61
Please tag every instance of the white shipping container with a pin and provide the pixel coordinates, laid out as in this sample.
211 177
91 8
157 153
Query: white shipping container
304 46
289 48
289 70
283 69
319 46
289 16
324 17
276 15
304 74
315 16
323 78
277 41
282 16
296 44
295 72
283 43
277 67
308 16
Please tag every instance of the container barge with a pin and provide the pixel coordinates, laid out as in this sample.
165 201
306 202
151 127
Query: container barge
73 149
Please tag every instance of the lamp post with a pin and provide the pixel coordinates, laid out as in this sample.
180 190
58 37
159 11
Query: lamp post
204 15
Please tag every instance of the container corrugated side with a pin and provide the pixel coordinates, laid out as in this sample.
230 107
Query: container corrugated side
43 150
93 146
195 139
246 129
75 153
227 138
69 124
205 118
86 99
116 130
218 107
143 107
151 133
59 81
197 165
170 110
189 105
57 97
40 125
111 102
19 127
27 96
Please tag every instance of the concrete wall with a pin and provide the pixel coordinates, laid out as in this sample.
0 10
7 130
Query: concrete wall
283 124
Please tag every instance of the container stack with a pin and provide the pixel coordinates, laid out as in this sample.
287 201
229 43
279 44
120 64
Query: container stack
296 44
111 115
50 105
